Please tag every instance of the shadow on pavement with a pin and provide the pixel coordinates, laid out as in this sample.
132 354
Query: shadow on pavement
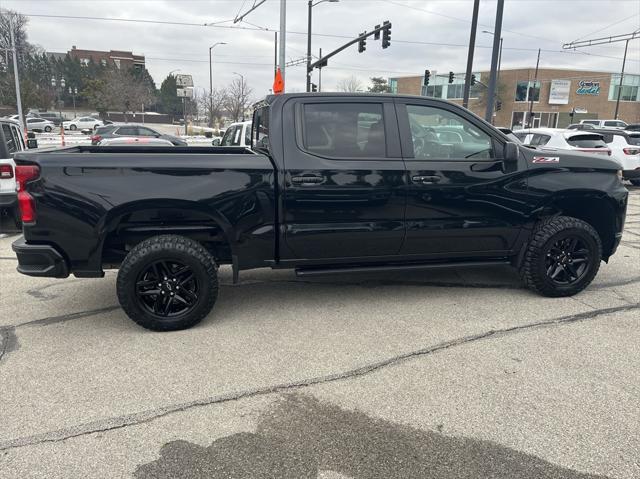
300 437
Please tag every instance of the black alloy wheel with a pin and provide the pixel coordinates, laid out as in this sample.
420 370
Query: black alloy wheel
167 288
567 260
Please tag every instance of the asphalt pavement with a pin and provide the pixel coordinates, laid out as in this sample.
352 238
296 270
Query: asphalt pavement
450 374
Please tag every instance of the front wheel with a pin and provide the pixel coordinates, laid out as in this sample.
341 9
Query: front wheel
47 129
562 257
73 127
167 283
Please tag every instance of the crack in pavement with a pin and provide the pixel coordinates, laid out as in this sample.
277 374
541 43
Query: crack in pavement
118 422
8 340
67 317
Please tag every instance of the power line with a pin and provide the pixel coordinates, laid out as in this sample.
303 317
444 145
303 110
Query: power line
608 26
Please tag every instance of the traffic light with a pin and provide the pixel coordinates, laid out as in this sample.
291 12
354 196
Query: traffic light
451 76
386 34
473 80
314 87
376 36
362 43
427 75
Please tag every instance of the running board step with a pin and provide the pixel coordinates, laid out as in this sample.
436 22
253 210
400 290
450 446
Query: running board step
396 267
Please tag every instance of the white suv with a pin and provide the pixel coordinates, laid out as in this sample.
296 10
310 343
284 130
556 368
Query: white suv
11 142
618 124
555 138
625 149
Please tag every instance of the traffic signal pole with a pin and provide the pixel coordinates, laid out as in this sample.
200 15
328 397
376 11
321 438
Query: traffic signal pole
472 46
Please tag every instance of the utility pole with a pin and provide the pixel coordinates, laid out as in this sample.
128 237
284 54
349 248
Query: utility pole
494 61
275 53
310 6
320 73
531 91
472 46
15 75
211 83
624 60
283 34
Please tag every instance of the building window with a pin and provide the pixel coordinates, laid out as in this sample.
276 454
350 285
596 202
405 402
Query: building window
103 62
434 91
630 88
116 61
84 62
528 91
393 85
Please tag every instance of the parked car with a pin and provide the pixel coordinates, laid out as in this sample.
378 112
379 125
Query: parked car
555 138
130 130
55 118
625 149
581 126
605 123
40 125
238 134
134 141
633 127
11 142
82 123
336 184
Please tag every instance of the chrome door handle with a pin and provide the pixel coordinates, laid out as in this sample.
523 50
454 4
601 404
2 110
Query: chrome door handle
426 180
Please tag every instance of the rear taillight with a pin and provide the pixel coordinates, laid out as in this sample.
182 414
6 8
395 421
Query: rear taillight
26 203
631 151
6 172
96 139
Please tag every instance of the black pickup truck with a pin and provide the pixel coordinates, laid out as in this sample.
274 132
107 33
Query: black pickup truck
333 183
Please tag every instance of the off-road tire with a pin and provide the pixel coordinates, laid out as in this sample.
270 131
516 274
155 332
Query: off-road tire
547 232
168 248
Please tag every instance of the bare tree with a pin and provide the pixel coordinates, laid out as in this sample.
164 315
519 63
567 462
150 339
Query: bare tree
237 99
119 90
215 105
350 84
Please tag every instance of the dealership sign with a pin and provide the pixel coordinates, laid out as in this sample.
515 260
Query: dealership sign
587 87
559 92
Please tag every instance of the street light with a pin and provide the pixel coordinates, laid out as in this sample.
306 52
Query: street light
73 92
311 4
211 84
62 84
499 61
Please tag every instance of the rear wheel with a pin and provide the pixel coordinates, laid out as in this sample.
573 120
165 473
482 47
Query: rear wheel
47 129
167 283
73 127
562 257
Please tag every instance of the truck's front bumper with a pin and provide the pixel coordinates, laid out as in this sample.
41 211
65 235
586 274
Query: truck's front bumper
39 260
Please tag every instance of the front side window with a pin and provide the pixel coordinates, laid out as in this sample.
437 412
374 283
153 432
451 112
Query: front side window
442 134
616 123
142 131
344 130
127 131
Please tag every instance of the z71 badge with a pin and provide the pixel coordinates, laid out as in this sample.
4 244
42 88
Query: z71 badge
546 159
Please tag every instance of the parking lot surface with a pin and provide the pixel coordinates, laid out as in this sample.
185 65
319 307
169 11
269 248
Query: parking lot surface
452 374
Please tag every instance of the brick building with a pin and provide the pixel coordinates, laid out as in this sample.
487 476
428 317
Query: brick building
556 93
117 58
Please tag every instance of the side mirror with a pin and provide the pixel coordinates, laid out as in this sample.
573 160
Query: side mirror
215 142
511 152
32 143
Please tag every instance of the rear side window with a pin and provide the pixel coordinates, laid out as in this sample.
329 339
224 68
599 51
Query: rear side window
591 122
12 145
227 138
539 139
587 141
344 130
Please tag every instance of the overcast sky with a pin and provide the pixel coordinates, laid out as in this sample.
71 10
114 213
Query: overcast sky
429 34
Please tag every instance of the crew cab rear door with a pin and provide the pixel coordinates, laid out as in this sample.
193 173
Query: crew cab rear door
460 200
344 179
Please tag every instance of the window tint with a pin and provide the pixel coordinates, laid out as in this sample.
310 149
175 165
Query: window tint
439 134
127 131
143 131
227 139
344 130
18 138
247 135
261 125
9 138
587 141
539 139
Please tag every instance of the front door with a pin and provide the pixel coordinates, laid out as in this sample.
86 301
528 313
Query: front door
344 180
460 201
